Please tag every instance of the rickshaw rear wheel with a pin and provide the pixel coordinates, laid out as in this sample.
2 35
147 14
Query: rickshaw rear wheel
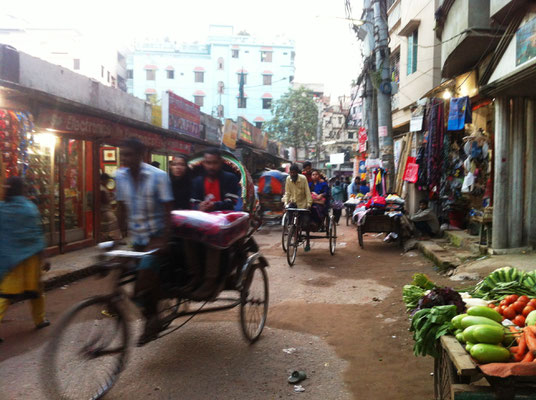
254 303
332 233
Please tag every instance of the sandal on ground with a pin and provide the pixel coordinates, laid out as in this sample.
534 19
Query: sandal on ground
297 376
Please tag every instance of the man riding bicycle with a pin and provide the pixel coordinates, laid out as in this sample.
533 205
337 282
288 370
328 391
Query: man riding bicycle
298 195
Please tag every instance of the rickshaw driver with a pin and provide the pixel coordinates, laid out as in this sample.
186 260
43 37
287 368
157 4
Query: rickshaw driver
297 194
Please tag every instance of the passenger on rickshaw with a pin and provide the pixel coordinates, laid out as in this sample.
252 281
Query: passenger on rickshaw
321 196
213 190
298 195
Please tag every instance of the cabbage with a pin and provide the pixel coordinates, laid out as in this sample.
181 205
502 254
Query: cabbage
442 297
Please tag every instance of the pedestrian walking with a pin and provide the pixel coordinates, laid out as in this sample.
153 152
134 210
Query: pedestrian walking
337 196
181 183
21 251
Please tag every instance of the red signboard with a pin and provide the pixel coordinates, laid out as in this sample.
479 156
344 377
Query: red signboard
183 116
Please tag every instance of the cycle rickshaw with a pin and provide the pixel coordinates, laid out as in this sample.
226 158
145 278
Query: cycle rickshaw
89 347
294 232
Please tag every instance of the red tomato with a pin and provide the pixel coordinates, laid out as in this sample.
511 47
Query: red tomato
500 310
524 299
527 310
519 306
491 305
532 303
519 321
512 298
509 313
503 303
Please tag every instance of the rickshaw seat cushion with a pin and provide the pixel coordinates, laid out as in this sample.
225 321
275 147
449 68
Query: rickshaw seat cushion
218 229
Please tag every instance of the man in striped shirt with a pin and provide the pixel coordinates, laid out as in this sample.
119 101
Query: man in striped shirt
145 202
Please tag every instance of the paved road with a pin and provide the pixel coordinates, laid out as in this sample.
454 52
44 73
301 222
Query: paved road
342 314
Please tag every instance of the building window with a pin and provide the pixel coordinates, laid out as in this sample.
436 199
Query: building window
76 64
113 82
220 111
258 125
199 100
291 78
235 53
102 71
150 74
245 78
242 103
130 74
151 98
350 135
413 44
266 104
221 87
395 67
199 77
266 56
220 63
108 79
267 80
292 56
170 74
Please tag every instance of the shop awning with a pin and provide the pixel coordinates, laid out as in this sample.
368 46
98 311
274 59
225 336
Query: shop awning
170 68
199 69
267 96
238 95
242 71
235 47
150 66
199 93
150 91
266 48
267 73
259 119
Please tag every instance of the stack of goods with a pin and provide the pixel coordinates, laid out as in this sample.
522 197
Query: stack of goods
394 205
498 329
377 205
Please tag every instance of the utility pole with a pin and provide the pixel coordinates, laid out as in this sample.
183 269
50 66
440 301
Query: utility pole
371 113
385 124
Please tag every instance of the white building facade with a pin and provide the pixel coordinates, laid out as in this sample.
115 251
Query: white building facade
209 73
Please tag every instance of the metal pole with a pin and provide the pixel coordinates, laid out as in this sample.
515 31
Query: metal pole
370 107
385 128
501 185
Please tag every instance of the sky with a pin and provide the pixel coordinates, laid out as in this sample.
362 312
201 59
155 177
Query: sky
327 51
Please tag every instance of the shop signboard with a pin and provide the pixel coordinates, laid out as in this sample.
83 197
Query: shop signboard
362 138
180 115
245 130
156 115
179 146
258 137
230 134
525 43
212 129
337 158
90 128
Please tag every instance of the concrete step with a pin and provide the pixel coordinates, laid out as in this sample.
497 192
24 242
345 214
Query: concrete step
465 241
440 256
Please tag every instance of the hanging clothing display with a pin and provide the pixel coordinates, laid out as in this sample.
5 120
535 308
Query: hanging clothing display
434 152
459 113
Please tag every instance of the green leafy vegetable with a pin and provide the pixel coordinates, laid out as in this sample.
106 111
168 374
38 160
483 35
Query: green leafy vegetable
422 281
411 295
428 325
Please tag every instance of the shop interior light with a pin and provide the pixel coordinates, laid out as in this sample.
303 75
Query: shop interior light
447 94
45 140
51 130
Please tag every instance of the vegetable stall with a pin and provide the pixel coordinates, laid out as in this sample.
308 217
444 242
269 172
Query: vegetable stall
483 339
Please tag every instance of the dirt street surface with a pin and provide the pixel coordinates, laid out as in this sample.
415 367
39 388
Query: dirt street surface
340 318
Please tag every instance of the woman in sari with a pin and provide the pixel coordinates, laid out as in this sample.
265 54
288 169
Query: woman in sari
21 251
320 193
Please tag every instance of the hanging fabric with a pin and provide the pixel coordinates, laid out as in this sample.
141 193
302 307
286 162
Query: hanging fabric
435 143
459 113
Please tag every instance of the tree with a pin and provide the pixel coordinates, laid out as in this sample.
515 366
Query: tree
295 119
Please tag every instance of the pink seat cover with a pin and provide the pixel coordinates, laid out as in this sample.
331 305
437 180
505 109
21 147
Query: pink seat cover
218 229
